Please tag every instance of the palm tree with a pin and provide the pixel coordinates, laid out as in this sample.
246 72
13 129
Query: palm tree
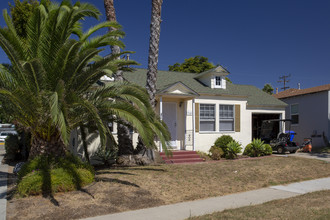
125 145
153 50
51 87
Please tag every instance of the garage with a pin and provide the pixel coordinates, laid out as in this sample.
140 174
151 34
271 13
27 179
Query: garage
257 119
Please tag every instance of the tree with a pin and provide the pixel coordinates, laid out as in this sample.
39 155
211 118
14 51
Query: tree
22 11
153 50
268 89
195 64
51 88
124 141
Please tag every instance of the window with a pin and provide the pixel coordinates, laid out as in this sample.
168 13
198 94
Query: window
218 81
226 116
294 113
207 117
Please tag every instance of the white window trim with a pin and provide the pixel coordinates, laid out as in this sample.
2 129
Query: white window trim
215 111
294 114
227 131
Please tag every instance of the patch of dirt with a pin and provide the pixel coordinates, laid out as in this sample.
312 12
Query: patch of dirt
99 198
121 189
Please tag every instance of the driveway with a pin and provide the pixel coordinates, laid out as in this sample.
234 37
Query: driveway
319 156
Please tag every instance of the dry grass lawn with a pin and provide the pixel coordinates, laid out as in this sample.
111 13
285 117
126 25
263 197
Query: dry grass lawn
305 207
122 189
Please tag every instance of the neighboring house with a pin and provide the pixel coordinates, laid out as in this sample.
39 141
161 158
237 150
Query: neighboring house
309 110
199 108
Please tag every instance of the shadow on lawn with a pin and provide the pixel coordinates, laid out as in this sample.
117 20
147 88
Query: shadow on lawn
113 172
112 180
145 169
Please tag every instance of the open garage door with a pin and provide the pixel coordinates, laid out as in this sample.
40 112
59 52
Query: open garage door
257 119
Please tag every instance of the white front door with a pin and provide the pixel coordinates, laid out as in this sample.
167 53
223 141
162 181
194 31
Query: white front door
169 117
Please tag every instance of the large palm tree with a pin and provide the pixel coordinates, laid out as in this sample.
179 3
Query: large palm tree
153 50
125 145
51 87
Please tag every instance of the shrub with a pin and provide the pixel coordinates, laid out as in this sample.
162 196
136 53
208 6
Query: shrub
223 141
215 153
203 155
232 149
257 149
49 174
12 147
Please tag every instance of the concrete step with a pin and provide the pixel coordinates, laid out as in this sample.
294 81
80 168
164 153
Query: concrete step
182 157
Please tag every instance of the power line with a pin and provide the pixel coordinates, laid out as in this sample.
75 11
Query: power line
284 80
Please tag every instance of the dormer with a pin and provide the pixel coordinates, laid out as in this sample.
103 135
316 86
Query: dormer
214 78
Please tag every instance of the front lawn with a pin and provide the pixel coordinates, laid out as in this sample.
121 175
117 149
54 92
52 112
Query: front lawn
314 205
123 189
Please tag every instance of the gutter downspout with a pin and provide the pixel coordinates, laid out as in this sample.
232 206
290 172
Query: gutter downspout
161 118
193 124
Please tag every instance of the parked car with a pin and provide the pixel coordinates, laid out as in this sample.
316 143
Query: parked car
4 135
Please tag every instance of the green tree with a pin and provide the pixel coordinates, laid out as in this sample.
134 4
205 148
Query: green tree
21 11
51 89
195 64
268 88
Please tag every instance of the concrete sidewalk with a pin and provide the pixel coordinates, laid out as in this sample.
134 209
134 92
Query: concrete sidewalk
318 156
185 210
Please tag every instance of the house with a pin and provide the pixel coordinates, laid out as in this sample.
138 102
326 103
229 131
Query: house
309 110
199 108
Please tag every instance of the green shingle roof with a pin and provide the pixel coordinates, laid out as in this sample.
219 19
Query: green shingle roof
255 96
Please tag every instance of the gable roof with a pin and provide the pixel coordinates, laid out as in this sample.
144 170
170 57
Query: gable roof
219 71
165 79
296 92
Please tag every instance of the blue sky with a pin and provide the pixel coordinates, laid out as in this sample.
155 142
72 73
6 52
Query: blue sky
256 40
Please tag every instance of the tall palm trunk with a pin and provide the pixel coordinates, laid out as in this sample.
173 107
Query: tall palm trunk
152 58
124 141
53 147
153 50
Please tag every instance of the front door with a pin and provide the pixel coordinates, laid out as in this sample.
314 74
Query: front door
169 117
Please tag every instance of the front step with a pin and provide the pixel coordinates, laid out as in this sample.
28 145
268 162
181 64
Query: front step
182 157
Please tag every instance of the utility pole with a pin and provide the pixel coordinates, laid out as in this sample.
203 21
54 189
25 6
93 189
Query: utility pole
284 80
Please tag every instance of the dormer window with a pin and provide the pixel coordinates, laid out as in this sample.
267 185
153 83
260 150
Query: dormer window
218 82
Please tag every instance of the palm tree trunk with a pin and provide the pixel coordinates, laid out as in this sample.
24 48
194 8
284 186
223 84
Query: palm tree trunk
84 141
125 145
53 147
153 57
153 50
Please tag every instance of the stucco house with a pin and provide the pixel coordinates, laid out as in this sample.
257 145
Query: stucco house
309 110
199 108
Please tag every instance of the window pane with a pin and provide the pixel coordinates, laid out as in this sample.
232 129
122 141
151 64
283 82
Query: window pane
207 117
207 125
295 119
218 80
226 125
295 109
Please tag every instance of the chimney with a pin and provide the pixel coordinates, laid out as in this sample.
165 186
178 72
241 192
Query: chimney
298 85
276 90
